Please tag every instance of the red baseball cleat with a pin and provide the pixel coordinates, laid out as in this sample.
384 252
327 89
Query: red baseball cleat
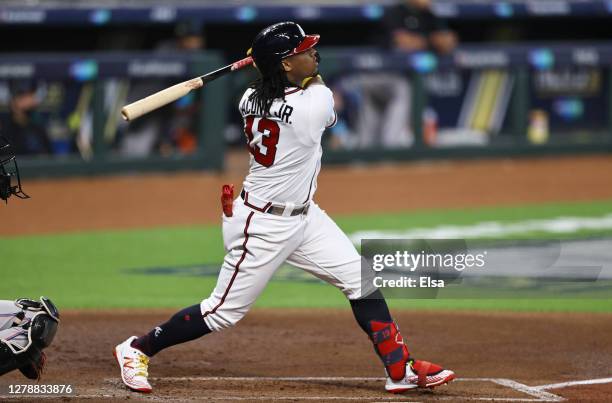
420 374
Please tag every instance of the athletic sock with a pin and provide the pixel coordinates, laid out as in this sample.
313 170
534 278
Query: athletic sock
185 325
373 307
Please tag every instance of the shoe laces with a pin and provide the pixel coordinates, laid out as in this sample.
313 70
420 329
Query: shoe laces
142 366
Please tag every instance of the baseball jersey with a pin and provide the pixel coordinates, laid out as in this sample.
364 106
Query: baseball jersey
285 145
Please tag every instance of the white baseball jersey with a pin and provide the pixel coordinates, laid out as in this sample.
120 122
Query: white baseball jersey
286 145
285 160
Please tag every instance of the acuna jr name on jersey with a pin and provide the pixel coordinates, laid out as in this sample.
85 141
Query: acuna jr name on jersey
280 111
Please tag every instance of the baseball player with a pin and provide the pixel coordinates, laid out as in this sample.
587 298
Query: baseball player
275 220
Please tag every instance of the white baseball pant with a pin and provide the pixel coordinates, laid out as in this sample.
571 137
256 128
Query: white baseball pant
258 243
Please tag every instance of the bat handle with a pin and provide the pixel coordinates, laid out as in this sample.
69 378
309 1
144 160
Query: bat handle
242 63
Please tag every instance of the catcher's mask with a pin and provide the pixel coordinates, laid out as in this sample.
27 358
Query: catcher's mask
8 170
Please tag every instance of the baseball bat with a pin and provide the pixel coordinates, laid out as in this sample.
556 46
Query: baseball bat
165 96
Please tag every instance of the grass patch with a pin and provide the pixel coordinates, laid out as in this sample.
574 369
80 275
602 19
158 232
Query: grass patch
91 270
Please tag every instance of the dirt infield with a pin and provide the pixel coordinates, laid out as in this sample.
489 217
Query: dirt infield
193 198
299 355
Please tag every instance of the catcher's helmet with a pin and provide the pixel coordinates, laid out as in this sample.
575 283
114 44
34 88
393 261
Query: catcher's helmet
8 170
278 41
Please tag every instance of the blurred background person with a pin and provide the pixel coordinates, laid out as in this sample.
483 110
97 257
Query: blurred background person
172 129
24 126
411 26
188 37
181 134
384 98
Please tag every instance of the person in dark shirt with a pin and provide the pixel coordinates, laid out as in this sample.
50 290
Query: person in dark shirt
24 127
411 26
383 119
172 129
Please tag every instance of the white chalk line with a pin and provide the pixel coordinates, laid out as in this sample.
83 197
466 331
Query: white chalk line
535 391
573 383
293 378
542 395
270 378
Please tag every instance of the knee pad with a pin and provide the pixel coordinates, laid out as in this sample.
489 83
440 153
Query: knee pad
390 347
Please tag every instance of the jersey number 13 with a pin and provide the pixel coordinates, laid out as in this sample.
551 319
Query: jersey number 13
268 130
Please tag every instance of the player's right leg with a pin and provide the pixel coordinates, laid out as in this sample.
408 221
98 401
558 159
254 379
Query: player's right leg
327 253
404 372
257 244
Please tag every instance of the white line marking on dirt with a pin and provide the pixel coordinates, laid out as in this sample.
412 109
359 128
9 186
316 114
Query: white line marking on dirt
268 378
537 392
293 378
542 395
573 383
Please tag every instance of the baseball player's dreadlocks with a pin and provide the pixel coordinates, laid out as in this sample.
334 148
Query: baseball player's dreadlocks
268 87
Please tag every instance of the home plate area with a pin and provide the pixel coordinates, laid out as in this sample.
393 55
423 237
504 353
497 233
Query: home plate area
335 389
321 354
